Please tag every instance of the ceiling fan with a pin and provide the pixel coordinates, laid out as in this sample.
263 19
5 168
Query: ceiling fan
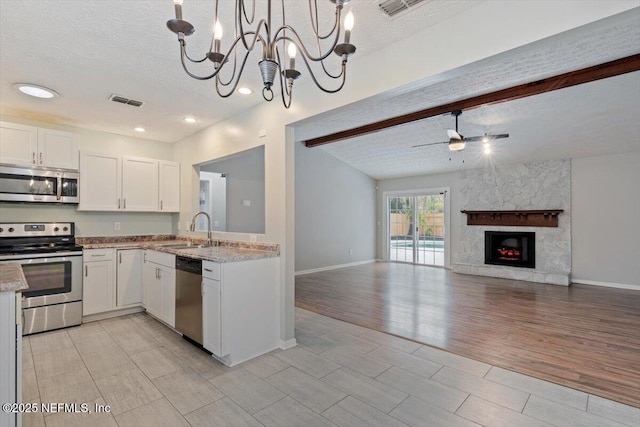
457 142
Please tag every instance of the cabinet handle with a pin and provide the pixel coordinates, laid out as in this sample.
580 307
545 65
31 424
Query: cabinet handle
125 204
86 271
120 258
41 157
160 204
159 274
118 203
33 158
209 270
97 255
144 256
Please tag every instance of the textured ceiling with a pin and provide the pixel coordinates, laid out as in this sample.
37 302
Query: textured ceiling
591 119
87 50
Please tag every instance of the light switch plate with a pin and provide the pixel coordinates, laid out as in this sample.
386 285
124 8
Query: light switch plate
116 226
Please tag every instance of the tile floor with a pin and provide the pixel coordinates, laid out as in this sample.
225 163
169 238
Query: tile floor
339 374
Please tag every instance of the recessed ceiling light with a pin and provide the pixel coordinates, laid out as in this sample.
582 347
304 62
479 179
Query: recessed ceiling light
139 129
245 91
35 90
190 119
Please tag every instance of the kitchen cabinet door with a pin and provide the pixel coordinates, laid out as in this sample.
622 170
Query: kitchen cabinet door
98 287
57 149
100 182
152 298
169 186
139 184
18 144
212 316
129 278
167 277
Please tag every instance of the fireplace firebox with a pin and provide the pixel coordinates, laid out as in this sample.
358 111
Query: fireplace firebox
514 249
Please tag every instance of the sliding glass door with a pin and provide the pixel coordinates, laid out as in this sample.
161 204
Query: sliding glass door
417 228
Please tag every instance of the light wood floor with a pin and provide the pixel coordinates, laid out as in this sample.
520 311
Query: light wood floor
584 337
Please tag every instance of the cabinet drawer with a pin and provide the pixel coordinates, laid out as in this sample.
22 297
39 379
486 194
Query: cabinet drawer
211 270
162 258
89 255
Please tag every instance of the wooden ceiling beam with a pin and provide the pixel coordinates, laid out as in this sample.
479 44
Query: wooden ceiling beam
549 84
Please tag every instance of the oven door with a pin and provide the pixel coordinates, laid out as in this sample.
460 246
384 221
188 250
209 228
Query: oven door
53 278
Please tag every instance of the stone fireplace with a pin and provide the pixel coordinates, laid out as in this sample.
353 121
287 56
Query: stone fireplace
516 199
514 249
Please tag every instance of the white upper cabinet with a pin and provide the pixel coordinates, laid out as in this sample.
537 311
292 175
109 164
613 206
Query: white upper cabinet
140 184
100 182
135 184
31 146
18 144
57 149
169 186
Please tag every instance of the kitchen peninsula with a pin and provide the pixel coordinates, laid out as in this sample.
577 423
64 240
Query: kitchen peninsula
237 289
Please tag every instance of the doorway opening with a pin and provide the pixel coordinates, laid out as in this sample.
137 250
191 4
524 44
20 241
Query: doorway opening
416 228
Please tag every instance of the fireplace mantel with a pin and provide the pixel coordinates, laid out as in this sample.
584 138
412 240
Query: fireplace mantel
516 218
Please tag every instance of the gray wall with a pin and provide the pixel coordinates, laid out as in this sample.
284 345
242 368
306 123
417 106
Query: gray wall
245 181
335 211
96 223
605 199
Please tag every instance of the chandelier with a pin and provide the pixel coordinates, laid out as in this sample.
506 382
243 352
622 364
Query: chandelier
249 33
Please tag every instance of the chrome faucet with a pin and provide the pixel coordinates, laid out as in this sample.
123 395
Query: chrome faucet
193 226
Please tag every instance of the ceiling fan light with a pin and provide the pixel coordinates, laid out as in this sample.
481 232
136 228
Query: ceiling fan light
456 144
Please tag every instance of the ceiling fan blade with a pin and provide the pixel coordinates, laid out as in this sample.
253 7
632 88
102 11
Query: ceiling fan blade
490 137
431 143
452 134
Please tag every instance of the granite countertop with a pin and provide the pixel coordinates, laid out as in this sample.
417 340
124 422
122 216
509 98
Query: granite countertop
11 277
225 251
220 253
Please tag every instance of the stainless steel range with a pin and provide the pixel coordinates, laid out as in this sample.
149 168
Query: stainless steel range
52 265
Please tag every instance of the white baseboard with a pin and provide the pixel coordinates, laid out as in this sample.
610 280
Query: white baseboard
335 267
286 345
606 284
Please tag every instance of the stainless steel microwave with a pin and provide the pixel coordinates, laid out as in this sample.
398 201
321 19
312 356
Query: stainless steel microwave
38 185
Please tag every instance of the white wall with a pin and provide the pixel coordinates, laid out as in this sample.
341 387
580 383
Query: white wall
96 223
335 211
605 199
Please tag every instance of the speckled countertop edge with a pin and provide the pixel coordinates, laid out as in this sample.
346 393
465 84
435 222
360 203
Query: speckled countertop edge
12 278
225 251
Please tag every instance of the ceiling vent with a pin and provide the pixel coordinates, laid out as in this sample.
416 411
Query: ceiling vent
122 100
394 7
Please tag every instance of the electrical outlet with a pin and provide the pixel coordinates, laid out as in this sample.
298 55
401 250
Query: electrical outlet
253 238
350 251
178 225
116 226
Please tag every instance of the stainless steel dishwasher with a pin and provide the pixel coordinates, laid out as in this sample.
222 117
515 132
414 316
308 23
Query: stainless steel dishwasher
189 298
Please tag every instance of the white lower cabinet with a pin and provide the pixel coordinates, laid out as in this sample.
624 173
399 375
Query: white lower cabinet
211 316
98 282
241 309
128 278
159 280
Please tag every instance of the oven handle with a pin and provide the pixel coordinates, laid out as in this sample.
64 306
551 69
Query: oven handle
42 255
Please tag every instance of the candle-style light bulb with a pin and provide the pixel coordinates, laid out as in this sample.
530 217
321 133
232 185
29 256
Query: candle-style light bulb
178 6
292 55
217 35
217 30
348 26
